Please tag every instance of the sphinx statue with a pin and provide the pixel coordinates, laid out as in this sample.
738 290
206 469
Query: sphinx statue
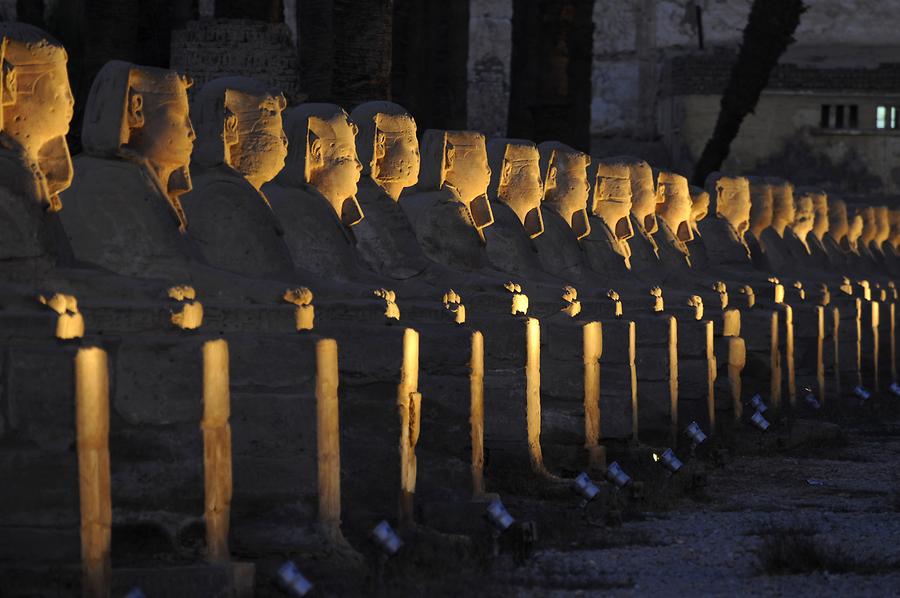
673 212
891 247
860 230
314 195
606 248
815 239
835 238
800 227
449 209
870 231
389 153
241 145
644 251
564 209
124 210
772 239
699 212
723 233
515 193
761 206
35 167
882 232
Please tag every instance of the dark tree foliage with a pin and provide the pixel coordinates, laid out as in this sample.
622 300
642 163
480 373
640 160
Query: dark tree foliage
257 10
550 82
769 31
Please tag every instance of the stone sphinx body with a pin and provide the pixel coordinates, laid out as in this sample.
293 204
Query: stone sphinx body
449 209
796 234
124 211
673 212
314 196
35 166
760 219
389 153
564 210
515 193
724 231
240 146
774 239
606 248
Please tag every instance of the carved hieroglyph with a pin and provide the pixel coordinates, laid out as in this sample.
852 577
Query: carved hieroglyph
125 210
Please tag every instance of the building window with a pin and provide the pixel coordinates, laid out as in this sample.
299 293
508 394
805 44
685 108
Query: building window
886 117
839 116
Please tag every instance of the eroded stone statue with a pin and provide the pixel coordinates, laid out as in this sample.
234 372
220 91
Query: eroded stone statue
882 231
314 196
673 212
723 233
606 247
35 167
838 226
800 227
564 208
449 209
515 192
699 211
815 239
125 211
644 250
240 146
389 153
772 238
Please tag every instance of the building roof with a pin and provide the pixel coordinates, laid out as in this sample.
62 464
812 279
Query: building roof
806 69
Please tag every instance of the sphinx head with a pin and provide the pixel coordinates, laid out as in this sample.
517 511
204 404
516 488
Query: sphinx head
36 104
323 155
783 207
611 199
699 207
838 221
140 114
674 204
566 187
643 193
870 226
516 180
882 224
855 225
760 206
820 209
387 145
894 237
804 215
730 200
457 161
239 125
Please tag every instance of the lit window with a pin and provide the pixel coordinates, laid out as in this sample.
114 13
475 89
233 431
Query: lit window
886 117
880 114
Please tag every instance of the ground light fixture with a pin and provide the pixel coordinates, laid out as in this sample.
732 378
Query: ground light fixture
895 389
669 460
584 487
759 421
617 475
810 399
694 432
292 581
386 538
498 516
757 403
862 393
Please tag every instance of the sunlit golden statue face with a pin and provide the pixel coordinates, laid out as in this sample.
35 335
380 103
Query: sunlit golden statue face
567 188
783 207
733 202
643 195
855 228
760 207
331 163
699 207
675 207
838 223
612 199
37 105
161 130
466 165
882 224
520 186
820 220
396 155
255 143
804 216
869 225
